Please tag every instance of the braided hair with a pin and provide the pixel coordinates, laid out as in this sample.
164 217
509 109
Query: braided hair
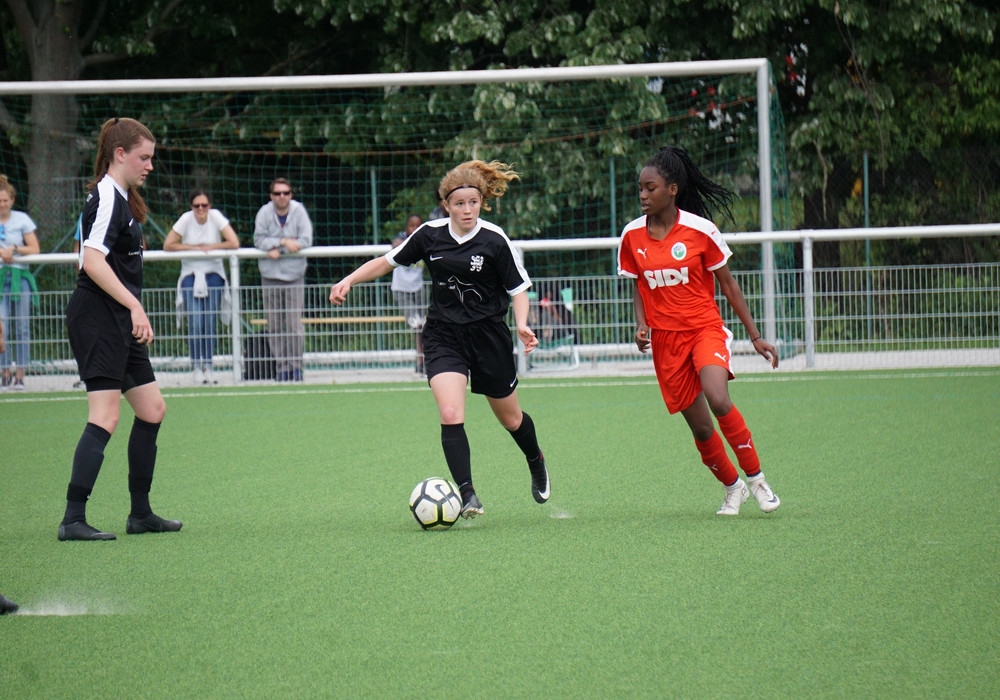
695 192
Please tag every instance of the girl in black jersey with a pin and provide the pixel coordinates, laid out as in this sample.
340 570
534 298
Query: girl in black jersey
109 331
475 277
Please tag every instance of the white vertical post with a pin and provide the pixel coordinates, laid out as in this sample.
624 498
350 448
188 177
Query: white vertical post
374 185
808 302
766 211
235 329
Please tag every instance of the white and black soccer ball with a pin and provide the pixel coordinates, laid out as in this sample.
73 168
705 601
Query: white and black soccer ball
435 503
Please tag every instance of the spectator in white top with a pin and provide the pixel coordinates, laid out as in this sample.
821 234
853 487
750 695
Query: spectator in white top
202 287
18 291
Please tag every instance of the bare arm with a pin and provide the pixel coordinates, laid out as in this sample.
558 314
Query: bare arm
642 340
30 247
230 241
373 269
521 306
734 295
173 242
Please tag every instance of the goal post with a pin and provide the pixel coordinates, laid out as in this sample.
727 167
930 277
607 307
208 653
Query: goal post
395 134
364 151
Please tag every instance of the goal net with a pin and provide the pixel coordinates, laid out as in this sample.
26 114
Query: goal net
363 152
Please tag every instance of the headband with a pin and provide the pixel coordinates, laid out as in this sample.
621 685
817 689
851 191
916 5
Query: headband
460 187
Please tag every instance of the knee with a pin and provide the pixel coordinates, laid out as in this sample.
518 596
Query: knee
720 404
451 415
155 412
702 431
107 419
511 421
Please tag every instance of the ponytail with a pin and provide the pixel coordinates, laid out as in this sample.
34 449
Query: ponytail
122 133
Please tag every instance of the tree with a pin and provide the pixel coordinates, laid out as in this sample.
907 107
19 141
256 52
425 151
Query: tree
74 39
47 138
915 85
854 75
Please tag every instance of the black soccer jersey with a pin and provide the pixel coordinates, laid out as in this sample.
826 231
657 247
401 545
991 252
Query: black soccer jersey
472 277
108 226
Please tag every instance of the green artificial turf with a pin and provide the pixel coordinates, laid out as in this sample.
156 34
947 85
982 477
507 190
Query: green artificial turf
301 573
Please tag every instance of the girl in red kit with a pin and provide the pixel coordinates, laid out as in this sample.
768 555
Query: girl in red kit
675 256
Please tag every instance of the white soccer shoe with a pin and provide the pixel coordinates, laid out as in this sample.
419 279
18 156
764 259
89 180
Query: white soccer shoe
761 490
736 495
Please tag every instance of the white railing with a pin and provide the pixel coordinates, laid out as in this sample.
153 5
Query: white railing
861 317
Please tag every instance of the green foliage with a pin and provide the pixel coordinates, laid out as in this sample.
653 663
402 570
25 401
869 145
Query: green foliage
897 81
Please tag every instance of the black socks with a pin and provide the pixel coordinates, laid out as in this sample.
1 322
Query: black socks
87 461
141 462
455 443
525 437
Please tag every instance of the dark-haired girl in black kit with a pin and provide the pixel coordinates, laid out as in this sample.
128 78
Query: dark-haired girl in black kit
109 331
676 255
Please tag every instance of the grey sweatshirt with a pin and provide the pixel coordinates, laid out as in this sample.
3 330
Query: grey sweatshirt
268 231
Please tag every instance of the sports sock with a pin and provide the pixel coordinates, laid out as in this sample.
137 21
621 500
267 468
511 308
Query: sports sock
525 437
713 456
141 462
87 461
457 454
738 436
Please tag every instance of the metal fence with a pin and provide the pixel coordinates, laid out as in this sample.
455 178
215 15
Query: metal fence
858 317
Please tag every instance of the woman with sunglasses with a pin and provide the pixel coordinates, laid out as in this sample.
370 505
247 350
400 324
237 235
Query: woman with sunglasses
17 286
201 288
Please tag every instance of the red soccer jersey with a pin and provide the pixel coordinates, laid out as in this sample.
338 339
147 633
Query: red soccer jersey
674 275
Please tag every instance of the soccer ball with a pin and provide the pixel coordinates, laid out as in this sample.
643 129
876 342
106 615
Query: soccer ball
435 504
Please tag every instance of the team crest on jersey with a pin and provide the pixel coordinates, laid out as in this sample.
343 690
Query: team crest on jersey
679 251
476 263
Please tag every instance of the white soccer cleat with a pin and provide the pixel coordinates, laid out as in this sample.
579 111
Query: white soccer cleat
736 495
199 375
761 490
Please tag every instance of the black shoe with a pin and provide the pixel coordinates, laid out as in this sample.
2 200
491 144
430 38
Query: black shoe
7 606
80 530
151 523
539 479
471 507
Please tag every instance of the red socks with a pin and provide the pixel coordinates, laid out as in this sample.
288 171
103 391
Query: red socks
714 456
738 436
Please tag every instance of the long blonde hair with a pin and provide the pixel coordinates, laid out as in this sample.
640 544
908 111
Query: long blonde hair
489 178
127 134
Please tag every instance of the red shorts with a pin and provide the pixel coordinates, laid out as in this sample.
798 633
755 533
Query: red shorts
678 357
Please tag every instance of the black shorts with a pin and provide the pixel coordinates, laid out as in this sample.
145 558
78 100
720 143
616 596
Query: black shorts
483 351
100 334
